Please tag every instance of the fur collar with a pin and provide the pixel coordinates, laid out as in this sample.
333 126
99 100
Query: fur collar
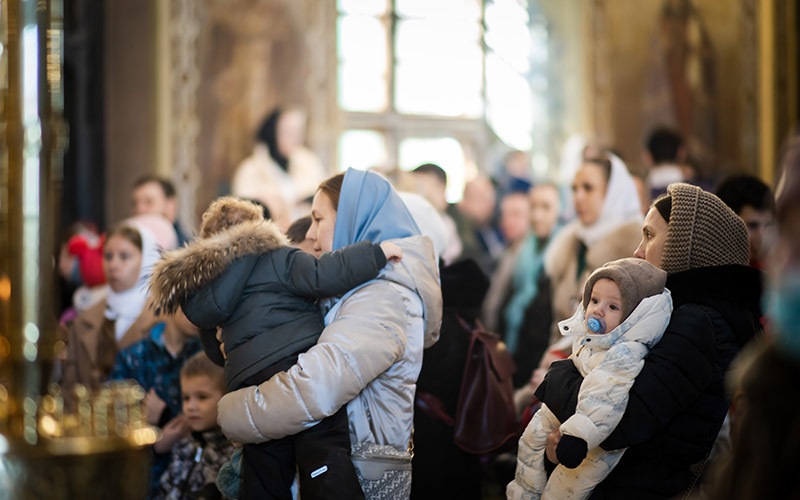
182 272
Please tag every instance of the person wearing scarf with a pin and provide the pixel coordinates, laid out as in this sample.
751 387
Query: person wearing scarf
280 172
608 227
370 353
97 334
678 402
526 319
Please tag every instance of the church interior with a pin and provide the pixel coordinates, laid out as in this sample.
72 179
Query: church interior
98 95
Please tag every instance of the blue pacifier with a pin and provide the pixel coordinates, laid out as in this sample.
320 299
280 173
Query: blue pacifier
596 325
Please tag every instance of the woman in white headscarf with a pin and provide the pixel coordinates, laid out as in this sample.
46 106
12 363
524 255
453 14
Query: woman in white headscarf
607 227
97 334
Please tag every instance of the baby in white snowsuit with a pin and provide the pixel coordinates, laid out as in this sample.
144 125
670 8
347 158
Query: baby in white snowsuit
624 313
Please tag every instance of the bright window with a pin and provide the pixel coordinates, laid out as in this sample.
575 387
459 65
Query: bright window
443 151
442 81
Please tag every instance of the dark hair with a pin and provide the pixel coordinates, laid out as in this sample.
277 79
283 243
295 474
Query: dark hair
297 231
332 187
268 134
432 168
264 208
200 365
742 190
664 206
129 233
166 186
663 144
601 162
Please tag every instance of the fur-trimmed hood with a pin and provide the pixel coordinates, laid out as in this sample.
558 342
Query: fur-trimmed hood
182 272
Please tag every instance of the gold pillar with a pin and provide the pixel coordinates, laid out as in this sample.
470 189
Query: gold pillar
767 139
32 145
46 452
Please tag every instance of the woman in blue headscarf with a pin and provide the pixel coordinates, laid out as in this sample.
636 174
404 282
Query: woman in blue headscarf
370 353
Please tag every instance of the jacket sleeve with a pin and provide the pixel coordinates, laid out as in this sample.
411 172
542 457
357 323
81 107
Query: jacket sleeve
212 305
208 339
122 369
676 372
530 477
367 337
603 395
333 273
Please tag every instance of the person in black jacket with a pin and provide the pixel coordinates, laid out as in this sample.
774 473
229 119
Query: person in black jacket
242 275
678 402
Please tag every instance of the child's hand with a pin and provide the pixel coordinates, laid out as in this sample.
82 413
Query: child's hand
392 251
175 430
221 343
153 407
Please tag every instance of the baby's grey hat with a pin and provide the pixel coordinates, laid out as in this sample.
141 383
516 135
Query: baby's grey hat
636 279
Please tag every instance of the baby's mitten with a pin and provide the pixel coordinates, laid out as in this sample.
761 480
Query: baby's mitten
571 451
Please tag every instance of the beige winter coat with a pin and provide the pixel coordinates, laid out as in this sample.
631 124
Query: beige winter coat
368 358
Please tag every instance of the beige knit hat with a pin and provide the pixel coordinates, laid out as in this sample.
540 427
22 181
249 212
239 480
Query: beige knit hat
636 279
702 232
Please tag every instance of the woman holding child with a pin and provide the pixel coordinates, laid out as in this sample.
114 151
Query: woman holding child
678 402
370 353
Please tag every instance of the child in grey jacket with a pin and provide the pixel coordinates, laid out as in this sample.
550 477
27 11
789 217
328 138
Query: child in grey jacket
624 312
243 276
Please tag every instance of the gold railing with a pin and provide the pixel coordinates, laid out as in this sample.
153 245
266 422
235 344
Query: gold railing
97 450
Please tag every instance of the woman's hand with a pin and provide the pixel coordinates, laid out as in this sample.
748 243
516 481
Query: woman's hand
552 443
392 251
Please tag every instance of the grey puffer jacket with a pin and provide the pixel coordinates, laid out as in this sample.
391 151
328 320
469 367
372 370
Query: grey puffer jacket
261 291
368 358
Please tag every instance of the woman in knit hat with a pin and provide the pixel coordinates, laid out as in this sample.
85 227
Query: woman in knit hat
678 402
624 313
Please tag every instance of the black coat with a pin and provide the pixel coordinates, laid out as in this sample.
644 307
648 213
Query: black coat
261 291
678 401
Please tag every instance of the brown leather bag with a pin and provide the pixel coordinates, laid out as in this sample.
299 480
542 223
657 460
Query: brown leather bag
485 418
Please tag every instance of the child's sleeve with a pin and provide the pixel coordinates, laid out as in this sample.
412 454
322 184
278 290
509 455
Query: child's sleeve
530 477
122 369
172 474
603 396
333 273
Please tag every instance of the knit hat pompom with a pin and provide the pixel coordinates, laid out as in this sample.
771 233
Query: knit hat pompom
637 279
89 252
702 232
226 212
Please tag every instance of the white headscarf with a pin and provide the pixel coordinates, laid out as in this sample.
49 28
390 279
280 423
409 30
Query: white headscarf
620 206
428 219
125 306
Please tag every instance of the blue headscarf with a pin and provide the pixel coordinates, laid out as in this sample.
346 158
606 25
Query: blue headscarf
370 209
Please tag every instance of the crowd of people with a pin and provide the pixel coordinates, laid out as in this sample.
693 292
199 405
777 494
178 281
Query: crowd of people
309 339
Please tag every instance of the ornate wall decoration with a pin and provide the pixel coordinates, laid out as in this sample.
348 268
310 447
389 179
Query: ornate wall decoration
185 23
